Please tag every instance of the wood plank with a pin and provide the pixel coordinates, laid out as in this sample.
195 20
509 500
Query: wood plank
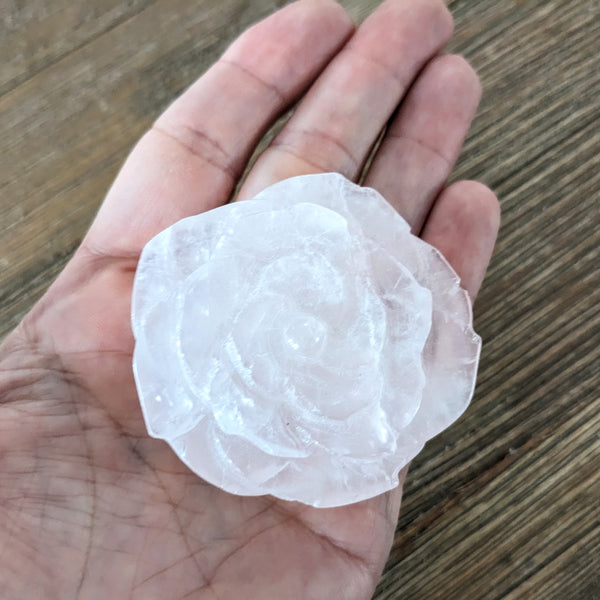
34 35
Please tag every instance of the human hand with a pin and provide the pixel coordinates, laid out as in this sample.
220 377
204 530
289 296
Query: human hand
91 506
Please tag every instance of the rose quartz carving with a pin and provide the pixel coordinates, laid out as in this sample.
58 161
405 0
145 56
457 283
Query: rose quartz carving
302 344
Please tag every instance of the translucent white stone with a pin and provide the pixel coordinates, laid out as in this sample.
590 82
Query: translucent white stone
302 344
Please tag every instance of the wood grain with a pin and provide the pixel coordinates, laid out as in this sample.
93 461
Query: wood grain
506 504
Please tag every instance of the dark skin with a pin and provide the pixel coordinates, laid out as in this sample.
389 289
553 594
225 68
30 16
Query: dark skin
90 506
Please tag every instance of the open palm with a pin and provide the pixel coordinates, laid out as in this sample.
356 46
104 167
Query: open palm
90 506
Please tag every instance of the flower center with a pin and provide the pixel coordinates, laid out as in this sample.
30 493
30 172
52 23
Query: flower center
304 336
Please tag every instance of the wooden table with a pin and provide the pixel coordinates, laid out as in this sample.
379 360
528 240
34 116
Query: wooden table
504 505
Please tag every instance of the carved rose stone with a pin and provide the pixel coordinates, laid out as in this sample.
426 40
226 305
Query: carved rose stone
302 344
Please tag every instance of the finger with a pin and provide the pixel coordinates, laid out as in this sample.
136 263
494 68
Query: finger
337 123
463 225
424 139
191 159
